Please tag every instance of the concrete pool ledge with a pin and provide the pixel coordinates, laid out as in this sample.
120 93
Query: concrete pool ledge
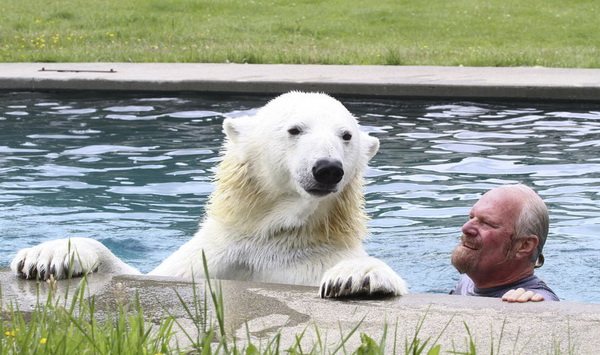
265 309
514 83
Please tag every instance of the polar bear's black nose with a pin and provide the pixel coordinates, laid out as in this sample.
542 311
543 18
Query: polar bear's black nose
328 171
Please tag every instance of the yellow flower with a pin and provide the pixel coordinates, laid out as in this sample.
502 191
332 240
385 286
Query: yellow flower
43 341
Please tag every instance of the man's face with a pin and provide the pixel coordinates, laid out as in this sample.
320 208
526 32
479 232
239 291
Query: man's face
486 239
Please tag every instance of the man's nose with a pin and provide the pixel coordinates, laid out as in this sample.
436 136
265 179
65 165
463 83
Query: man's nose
468 227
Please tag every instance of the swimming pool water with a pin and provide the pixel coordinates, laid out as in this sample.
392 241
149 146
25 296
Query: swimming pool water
134 171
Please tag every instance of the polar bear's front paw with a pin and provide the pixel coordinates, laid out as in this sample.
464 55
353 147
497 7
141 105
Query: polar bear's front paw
58 258
361 276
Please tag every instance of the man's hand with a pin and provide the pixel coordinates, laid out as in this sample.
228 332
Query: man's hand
520 295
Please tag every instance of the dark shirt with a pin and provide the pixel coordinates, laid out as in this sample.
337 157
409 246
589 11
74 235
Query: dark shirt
466 287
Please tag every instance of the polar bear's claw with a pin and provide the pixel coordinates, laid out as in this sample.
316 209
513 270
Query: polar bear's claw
361 277
66 258
35 264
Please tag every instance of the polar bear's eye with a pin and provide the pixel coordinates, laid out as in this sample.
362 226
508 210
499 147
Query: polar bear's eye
294 131
347 136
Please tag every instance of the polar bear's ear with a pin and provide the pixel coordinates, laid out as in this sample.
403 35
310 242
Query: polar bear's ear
371 145
235 127
230 129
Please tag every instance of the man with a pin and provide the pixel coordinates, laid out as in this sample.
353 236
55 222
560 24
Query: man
502 244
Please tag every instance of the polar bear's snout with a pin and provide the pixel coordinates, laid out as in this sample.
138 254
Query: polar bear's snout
327 173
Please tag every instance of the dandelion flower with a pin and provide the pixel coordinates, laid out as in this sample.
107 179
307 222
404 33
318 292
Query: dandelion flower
43 341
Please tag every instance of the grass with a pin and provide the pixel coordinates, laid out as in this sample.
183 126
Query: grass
56 327
78 327
552 33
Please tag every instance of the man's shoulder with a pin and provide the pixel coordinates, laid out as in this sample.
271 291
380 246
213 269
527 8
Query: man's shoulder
466 287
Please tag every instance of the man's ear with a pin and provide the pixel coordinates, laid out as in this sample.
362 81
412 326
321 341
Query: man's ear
370 145
528 245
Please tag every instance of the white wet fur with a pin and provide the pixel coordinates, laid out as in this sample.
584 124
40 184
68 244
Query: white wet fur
269 219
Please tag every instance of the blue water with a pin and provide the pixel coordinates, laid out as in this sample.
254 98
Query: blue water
134 171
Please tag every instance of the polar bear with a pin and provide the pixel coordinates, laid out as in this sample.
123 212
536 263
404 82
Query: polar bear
287 208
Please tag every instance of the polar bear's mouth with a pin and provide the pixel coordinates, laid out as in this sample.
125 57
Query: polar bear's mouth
322 191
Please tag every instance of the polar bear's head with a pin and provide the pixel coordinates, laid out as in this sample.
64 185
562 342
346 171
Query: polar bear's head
303 143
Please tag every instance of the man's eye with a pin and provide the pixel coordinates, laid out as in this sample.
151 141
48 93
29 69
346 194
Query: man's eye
488 224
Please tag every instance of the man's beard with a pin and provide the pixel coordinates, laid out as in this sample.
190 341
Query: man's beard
465 261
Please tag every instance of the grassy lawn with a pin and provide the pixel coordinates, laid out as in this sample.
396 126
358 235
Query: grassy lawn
553 33
121 326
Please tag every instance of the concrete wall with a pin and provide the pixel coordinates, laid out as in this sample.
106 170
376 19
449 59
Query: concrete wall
265 309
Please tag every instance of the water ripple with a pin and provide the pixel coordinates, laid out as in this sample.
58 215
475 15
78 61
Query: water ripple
129 108
167 189
194 114
103 149
486 166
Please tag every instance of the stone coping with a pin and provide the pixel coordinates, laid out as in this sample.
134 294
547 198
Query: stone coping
514 83
265 309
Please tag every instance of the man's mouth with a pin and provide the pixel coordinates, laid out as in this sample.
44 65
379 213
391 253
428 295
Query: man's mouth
469 245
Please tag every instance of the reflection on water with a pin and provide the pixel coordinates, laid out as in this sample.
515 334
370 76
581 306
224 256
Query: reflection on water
134 172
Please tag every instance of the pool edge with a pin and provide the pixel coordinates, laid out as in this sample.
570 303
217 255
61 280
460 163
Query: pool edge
290 310
512 83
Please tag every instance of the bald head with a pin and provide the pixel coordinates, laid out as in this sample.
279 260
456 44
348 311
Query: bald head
532 218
